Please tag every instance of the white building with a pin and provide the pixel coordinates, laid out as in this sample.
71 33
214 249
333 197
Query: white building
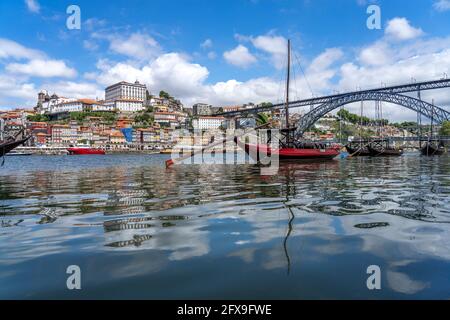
80 105
205 122
169 118
126 105
126 91
48 104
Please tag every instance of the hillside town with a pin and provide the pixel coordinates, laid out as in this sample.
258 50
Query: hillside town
132 119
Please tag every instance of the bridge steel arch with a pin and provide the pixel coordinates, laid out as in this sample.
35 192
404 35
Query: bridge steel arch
420 106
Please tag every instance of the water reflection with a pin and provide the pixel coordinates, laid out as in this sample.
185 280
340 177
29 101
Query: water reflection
302 222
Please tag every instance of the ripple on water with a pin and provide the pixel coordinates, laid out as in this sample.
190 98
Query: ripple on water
358 206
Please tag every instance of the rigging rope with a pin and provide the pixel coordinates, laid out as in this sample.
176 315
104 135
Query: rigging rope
304 74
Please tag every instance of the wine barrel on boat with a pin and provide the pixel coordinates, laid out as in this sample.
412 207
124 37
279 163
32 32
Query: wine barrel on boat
381 151
360 151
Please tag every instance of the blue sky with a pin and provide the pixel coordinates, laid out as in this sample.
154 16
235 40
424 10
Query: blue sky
223 52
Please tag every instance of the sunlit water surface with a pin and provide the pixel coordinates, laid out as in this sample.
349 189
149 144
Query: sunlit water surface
139 230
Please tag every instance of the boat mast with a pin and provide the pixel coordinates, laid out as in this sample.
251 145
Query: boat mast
287 88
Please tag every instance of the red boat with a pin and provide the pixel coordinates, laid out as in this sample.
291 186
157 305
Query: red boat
85 151
289 147
306 151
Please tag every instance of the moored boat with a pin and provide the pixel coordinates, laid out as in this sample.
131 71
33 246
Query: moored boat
360 151
290 146
305 151
9 143
85 150
381 151
18 154
431 149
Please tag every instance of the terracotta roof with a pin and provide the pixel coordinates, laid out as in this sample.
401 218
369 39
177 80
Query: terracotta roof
88 101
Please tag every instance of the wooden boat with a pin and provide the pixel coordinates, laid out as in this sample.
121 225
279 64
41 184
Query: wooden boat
358 151
10 144
431 149
290 148
381 151
306 151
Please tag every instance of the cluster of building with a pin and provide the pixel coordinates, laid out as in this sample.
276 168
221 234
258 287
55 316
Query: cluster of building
128 102
123 97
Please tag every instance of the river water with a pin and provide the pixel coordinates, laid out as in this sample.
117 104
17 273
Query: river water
139 230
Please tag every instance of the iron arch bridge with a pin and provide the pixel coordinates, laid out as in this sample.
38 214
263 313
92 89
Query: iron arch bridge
424 108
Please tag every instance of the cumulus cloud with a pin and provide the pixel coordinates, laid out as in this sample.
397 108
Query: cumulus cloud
42 68
400 29
33 6
73 89
11 88
441 5
14 50
138 45
276 46
376 54
240 57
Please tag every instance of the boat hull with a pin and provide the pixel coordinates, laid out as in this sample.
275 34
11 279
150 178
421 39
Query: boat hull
358 152
85 151
374 152
289 153
432 150
8 146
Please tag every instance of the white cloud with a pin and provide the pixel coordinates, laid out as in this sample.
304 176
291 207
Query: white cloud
11 88
276 46
42 68
172 72
206 44
76 90
136 46
14 50
33 6
441 5
326 59
400 29
239 56
376 54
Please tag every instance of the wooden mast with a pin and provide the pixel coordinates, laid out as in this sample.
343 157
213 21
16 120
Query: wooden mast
287 90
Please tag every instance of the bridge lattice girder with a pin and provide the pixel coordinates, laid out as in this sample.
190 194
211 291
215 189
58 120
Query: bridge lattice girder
426 109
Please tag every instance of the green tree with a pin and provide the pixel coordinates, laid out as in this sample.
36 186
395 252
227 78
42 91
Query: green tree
445 129
164 95
262 118
148 95
266 104
38 118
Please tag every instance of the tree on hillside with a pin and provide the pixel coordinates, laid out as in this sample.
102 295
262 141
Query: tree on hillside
266 104
164 95
148 95
445 129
